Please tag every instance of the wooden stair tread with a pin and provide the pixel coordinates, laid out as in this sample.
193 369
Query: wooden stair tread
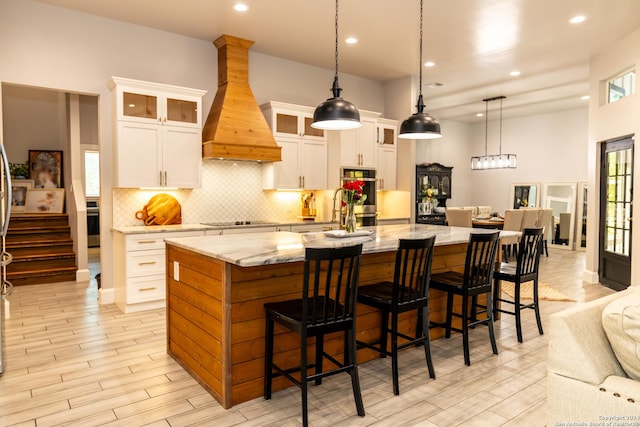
69 276
43 256
35 238
41 229
40 271
48 250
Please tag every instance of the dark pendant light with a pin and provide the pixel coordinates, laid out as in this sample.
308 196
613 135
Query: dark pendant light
420 125
336 113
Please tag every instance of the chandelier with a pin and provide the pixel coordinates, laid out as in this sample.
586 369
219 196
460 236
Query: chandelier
493 161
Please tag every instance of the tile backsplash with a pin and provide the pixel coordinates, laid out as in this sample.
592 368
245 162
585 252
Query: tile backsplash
231 191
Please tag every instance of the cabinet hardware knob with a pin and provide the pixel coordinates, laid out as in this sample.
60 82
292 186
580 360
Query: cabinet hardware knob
146 289
146 242
166 182
147 263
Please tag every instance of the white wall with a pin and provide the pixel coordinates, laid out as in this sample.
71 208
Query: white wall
550 148
21 105
450 150
608 121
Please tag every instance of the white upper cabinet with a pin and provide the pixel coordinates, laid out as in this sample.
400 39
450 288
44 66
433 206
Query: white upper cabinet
354 147
304 149
358 146
158 132
387 154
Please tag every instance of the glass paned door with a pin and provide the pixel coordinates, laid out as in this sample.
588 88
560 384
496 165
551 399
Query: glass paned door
616 213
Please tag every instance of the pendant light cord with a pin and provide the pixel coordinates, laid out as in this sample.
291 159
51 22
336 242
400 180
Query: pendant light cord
336 38
500 152
420 88
486 125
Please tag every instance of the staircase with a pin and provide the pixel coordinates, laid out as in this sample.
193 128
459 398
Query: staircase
42 249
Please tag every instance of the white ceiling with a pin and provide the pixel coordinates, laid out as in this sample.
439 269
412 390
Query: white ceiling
474 43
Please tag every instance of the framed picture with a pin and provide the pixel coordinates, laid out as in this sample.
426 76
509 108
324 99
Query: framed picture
45 168
44 200
19 189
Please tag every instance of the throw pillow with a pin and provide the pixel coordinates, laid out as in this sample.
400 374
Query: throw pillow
621 323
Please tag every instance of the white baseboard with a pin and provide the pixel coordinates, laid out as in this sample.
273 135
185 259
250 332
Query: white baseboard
83 275
106 296
591 277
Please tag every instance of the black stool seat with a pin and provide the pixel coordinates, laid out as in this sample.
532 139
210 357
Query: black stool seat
289 314
382 293
409 291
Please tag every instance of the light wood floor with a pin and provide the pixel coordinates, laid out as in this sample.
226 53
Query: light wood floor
70 361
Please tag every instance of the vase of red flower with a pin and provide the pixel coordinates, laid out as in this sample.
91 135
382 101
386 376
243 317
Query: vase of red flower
351 196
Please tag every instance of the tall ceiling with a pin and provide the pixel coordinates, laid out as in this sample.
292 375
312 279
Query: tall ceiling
474 43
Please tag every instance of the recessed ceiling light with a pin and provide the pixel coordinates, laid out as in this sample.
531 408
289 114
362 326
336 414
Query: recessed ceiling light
240 7
351 40
434 84
514 73
578 19
429 64
480 115
585 97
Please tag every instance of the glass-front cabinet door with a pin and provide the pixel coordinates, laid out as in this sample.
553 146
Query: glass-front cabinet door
296 123
139 105
182 110
387 132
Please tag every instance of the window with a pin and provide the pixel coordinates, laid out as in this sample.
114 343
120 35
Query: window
622 85
92 173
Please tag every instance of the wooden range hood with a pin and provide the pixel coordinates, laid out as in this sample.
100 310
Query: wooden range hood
235 128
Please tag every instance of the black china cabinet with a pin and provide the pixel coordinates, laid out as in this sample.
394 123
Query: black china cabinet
433 181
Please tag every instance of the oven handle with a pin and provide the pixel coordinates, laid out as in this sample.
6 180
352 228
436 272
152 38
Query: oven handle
350 178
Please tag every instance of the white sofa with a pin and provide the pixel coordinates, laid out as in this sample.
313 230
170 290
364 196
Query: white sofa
586 382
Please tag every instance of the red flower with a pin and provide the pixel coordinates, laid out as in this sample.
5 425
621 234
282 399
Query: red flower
352 192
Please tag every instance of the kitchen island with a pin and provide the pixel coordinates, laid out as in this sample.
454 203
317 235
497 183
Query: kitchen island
217 286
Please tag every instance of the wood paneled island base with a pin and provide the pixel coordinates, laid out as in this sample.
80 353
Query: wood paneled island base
215 314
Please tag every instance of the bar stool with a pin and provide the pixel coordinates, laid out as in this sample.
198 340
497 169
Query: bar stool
525 270
409 291
476 280
328 304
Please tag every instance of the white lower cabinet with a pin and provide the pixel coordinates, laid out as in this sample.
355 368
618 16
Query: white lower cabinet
140 282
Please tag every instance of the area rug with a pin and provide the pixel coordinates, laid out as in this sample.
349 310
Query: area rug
545 291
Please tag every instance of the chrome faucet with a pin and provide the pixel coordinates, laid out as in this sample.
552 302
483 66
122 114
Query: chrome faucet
334 210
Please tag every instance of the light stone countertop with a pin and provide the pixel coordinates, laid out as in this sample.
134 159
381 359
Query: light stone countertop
282 247
141 229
